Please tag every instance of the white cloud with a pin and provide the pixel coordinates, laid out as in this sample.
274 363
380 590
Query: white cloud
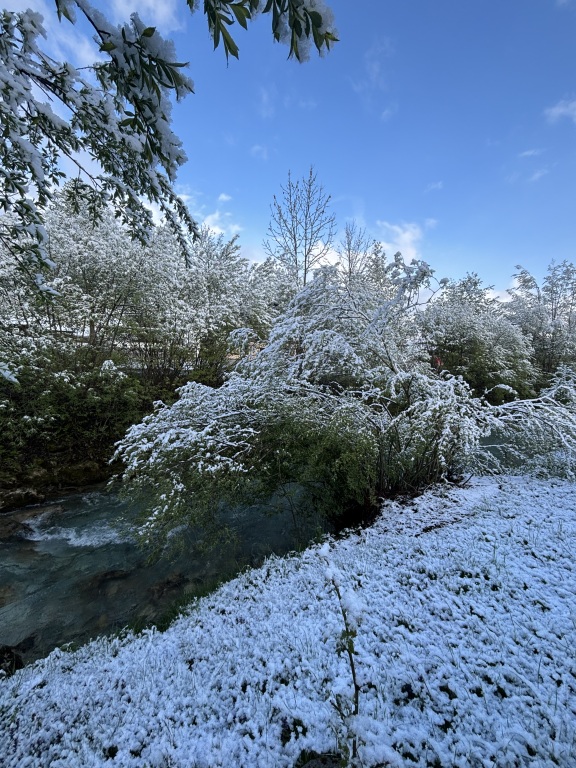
504 294
500 295
537 175
253 252
331 256
220 222
434 186
214 221
157 215
531 153
164 14
307 104
564 108
373 79
388 113
190 198
295 100
405 237
259 151
374 63
267 103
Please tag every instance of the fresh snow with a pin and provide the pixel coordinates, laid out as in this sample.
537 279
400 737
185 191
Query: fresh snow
464 601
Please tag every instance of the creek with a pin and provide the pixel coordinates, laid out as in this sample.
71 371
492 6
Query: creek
75 571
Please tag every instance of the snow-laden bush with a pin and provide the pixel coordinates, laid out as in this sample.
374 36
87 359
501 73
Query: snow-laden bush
546 314
52 420
157 319
467 333
240 444
539 435
336 405
337 410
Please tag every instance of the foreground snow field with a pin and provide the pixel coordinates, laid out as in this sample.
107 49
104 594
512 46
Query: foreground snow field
466 652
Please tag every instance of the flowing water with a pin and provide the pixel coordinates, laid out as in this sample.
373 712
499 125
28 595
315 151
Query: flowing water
78 573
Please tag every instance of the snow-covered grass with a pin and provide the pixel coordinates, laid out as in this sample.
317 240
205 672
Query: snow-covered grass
465 653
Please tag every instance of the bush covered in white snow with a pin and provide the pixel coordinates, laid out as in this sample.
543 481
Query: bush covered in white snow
342 401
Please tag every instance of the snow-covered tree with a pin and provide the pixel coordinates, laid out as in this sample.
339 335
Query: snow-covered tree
144 306
302 228
355 252
539 435
298 23
119 325
547 315
337 403
116 112
340 407
466 332
270 294
223 272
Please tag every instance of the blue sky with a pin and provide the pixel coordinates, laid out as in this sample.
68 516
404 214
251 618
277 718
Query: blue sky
447 129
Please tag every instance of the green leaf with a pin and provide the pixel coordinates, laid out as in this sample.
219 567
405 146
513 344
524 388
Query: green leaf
63 11
294 46
315 18
241 13
109 46
229 45
318 38
148 32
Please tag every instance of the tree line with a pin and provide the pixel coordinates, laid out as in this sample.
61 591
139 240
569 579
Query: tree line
340 368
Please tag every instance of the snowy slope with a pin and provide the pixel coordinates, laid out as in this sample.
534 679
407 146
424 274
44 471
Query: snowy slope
466 646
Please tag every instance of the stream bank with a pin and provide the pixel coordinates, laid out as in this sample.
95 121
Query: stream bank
71 569
39 484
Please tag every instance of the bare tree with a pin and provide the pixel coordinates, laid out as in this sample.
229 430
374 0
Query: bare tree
355 251
301 230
